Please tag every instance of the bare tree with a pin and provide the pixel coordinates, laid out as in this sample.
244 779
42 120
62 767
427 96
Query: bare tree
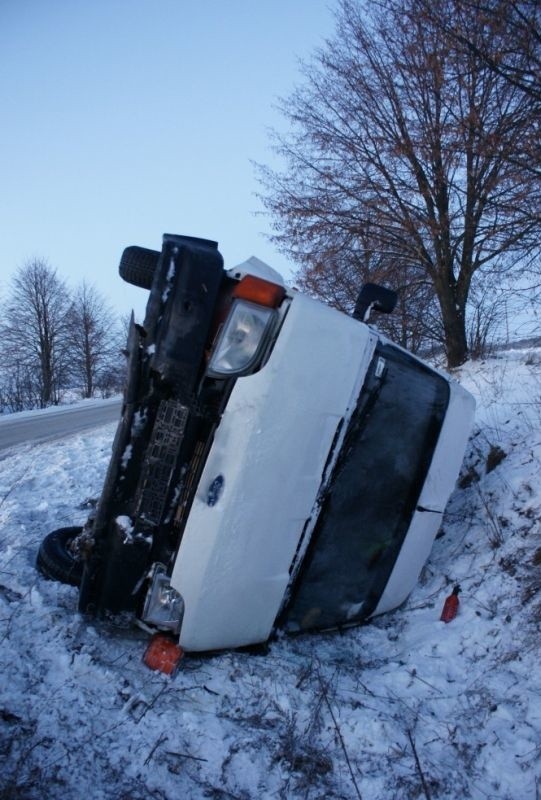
94 342
19 388
401 157
510 40
343 264
33 335
112 376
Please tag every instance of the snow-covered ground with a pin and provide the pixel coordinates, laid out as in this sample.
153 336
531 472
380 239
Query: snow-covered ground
406 707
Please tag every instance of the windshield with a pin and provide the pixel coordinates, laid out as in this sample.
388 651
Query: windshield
373 494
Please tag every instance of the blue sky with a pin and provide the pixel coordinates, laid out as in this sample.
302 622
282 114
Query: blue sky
124 119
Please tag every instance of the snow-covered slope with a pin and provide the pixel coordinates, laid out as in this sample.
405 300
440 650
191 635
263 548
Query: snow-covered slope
407 707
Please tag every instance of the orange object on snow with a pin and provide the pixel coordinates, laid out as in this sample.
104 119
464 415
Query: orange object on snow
163 654
450 607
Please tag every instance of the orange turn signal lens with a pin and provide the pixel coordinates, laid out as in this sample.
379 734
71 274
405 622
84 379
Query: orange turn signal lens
259 291
163 654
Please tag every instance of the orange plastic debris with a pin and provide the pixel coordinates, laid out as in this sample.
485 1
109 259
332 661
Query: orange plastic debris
163 654
450 607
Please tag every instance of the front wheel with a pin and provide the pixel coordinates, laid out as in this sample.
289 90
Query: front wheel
55 559
138 265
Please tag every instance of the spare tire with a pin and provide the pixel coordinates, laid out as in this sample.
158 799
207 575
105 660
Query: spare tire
55 560
138 265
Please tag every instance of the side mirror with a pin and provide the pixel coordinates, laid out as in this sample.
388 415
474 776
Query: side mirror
373 296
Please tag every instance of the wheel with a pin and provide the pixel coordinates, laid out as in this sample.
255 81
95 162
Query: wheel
138 265
55 560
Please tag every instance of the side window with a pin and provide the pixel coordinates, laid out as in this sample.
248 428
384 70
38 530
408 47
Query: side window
374 491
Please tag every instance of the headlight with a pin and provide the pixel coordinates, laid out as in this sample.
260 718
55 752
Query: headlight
241 339
164 607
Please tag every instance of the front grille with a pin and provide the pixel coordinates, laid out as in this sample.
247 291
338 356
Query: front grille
160 460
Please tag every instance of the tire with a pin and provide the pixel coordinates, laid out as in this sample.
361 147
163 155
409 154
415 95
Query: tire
54 559
138 265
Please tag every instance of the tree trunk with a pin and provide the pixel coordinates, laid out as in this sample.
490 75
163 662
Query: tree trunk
454 327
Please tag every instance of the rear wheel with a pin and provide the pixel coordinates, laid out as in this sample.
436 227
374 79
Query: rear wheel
55 559
138 265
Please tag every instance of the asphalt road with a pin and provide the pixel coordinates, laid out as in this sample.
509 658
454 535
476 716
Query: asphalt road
57 422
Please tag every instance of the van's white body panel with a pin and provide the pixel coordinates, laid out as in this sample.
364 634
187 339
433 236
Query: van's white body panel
271 447
273 451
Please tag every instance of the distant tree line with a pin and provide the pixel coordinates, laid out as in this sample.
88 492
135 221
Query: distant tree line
413 159
54 340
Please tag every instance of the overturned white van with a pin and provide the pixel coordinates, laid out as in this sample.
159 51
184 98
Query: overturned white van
277 465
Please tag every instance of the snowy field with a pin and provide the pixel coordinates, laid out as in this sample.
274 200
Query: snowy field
406 707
